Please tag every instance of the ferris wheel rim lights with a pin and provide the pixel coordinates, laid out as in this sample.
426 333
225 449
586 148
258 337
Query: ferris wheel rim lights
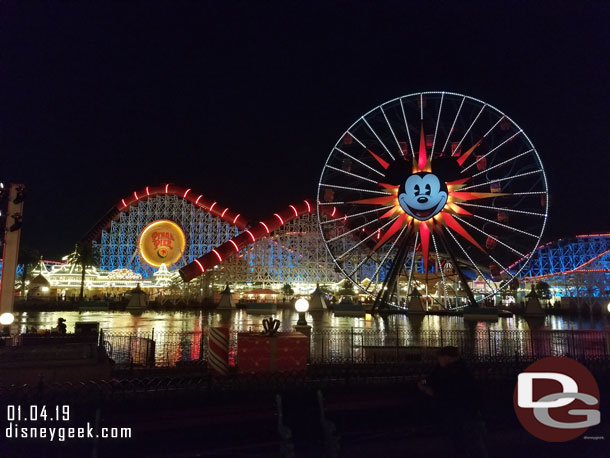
364 125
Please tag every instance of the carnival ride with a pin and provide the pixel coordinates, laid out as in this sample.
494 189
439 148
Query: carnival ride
284 248
577 267
424 193
432 179
206 224
432 185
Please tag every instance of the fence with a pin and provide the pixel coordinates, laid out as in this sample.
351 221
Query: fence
364 346
9 341
372 346
130 350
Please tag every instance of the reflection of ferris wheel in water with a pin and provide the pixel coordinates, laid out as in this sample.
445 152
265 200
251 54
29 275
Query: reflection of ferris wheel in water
431 186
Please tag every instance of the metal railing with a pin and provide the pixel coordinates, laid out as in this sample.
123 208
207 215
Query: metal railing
366 346
400 345
129 350
9 341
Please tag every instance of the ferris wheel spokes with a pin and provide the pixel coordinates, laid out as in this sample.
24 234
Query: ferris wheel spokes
457 115
432 193
392 130
438 118
404 116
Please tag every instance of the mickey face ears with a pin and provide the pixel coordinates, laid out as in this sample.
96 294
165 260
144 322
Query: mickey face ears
398 171
446 168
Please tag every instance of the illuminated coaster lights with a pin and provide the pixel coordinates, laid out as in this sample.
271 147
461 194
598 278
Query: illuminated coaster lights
209 241
254 233
424 162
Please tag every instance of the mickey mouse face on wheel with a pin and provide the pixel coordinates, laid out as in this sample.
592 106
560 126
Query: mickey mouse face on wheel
423 195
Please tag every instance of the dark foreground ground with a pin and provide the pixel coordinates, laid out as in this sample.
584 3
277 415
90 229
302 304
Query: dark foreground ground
374 418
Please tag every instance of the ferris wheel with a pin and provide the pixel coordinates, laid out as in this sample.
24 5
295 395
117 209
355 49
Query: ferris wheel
432 188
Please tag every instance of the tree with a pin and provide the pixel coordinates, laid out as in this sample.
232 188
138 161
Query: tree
543 289
85 255
347 288
287 290
28 257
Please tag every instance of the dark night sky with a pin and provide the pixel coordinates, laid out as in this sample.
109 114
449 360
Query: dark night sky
243 103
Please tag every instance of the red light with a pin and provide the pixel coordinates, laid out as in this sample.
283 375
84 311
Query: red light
296 213
334 211
216 253
124 204
235 220
250 234
197 201
235 245
223 213
279 217
200 266
135 194
147 193
166 188
378 235
308 207
212 207
186 192
265 226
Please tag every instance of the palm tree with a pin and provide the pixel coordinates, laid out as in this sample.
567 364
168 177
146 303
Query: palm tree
85 255
287 290
28 257
543 289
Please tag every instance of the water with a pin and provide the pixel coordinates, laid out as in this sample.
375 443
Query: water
126 322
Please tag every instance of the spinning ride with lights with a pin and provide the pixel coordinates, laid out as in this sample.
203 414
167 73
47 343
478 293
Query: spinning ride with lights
431 185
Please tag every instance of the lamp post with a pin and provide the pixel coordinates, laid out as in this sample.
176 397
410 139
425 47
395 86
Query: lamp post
6 319
302 306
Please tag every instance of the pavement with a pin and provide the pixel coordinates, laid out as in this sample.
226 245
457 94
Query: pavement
371 421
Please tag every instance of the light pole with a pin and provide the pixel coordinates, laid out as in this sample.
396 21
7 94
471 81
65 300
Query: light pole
6 319
302 306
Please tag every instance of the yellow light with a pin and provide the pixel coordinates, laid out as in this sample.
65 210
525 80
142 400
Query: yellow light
161 242
301 305
7 319
608 307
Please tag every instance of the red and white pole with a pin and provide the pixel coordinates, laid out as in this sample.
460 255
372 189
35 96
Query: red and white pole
10 254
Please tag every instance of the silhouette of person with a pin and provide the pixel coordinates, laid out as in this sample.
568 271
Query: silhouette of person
456 396
61 326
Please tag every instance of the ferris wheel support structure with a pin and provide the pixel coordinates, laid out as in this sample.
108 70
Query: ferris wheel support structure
433 165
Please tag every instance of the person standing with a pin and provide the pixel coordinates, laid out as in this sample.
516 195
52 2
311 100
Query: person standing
61 327
458 404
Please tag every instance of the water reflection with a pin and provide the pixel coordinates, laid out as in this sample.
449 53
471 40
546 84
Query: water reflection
244 321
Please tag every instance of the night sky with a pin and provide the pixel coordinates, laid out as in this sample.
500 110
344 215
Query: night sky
243 103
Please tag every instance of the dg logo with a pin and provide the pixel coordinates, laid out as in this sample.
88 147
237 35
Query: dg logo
557 399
